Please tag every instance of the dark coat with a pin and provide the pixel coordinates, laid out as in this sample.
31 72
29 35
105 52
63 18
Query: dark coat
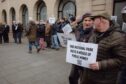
54 29
14 28
1 29
82 35
32 32
6 29
111 55
78 71
1 32
41 31
20 28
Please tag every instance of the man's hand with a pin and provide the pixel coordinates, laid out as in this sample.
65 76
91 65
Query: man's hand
94 66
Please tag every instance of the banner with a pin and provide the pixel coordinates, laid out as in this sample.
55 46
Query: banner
63 38
81 54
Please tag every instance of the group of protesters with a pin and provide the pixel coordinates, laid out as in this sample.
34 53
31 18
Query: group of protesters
43 35
17 30
110 66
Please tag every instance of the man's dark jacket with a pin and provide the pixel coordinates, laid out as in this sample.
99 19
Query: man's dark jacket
111 55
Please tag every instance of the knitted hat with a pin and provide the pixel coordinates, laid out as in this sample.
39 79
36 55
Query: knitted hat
86 15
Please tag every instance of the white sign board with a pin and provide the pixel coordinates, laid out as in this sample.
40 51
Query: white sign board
124 27
30 18
123 10
81 54
63 38
114 18
52 20
67 29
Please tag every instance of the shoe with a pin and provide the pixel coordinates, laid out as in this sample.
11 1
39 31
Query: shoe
30 52
43 49
57 48
52 48
38 50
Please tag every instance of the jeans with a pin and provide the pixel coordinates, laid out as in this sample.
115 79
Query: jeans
31 43
54 41
17 37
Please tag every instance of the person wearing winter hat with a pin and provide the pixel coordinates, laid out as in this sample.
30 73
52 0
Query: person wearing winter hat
82 35
111 53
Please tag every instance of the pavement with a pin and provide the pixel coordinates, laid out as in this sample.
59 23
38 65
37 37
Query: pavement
17 66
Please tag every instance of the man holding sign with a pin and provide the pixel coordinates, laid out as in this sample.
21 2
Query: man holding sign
111 52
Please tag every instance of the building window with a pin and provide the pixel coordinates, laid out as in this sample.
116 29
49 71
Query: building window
42 11
4 15
67 8
12 14
25 15
118 6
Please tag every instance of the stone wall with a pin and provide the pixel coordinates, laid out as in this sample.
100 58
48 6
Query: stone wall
82 6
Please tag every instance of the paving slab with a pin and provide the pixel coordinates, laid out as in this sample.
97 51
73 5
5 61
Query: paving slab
17 66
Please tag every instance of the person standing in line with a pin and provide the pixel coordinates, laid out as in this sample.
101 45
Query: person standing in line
61 23
31 35
6 30
54 37
41 35
1 32
73 23
19 33
111 52
82 33
48 27
14 31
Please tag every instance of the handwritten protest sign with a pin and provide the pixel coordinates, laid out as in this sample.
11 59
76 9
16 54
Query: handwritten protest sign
67 29
52 20
81 54
63 38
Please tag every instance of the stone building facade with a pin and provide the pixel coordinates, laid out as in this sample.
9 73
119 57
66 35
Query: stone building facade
23 10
